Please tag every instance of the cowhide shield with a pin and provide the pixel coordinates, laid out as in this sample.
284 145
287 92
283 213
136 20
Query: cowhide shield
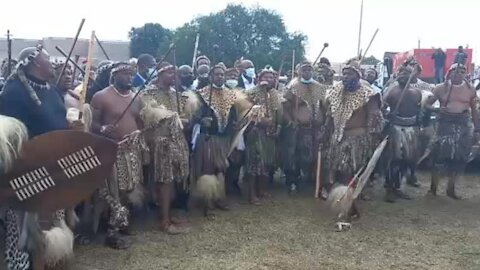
57 170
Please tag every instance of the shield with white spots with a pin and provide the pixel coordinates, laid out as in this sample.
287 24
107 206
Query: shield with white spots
57 170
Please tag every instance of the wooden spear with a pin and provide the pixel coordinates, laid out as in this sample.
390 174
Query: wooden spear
83 93
71 51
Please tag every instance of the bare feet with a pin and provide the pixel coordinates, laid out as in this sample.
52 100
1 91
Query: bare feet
255 201
454 196
172 229
178 220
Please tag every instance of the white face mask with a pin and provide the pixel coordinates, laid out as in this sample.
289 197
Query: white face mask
152 72
250 72
231 83
311 80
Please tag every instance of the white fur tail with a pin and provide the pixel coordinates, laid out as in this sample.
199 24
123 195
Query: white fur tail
340 200
210 188
58 245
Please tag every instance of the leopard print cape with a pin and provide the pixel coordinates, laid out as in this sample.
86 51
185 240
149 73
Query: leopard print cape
343 104
221 103
313 94
166 98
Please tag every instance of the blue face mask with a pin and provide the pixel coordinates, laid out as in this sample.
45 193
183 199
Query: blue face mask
250 72
351 86
309 81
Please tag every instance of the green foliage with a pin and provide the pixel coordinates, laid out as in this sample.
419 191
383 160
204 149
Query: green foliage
371 60
252 33
151 38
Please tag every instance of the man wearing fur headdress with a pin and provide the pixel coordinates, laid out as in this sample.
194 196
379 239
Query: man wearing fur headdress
167 144
260 136
210 113
324 72
29 97
356 116
457 123
305 114
404 147
107 106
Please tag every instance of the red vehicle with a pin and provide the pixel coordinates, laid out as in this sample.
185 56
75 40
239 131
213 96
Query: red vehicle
424 58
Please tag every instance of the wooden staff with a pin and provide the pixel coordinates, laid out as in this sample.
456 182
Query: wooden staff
215 49
319 169
280 72
101 48
83 93
9 50
195 50
144 85
325 45
71 50
369 44
77 57
177 97
293 64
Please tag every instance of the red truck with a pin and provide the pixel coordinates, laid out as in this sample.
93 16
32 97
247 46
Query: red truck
424 58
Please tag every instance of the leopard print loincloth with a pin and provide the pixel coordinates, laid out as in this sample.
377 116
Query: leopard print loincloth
128 166
15 259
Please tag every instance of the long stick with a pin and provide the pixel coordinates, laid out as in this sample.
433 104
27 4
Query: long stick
369 44
360 29
144 85
195 50
83 93
9 49
77 57
71 50
293 64
177 97
280 71
319 169
325 45
101 48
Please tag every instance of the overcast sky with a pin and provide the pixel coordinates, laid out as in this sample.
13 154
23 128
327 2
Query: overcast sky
402 22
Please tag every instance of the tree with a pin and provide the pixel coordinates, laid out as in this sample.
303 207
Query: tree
151 38
252 33
371 60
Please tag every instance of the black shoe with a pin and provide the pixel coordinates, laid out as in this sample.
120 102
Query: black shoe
401 195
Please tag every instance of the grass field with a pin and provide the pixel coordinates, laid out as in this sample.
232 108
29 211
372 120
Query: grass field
297 233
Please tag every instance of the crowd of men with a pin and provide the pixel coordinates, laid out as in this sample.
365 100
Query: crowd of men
193 133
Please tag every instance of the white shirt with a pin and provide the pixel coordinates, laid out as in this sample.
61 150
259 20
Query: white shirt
248 85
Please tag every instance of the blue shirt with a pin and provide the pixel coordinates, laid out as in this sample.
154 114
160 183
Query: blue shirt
138 80
16 102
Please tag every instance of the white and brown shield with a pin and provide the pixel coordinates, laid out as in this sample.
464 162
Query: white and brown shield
57 170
